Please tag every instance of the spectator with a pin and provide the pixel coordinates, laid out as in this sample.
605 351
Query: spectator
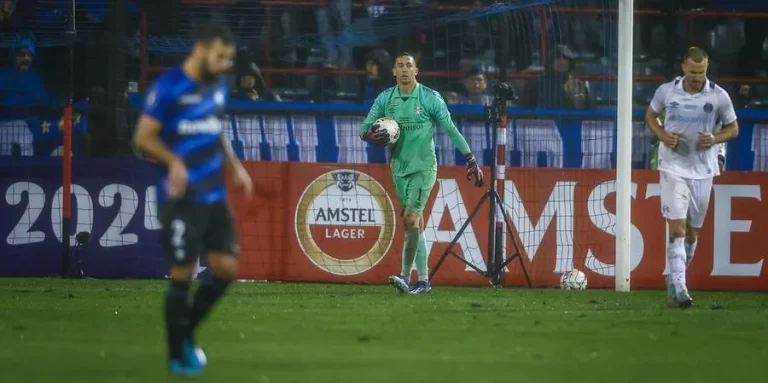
20 89
6 13
452 98
669 21
475 90
332 24
524 36
750 63
332 21
250 83
377 67
558 87
744 97
21 86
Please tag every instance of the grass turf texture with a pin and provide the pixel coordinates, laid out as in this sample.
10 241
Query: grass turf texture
111 331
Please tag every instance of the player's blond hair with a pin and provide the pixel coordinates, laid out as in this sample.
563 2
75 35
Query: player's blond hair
695 54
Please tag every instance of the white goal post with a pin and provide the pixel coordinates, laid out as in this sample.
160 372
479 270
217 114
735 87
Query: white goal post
624 147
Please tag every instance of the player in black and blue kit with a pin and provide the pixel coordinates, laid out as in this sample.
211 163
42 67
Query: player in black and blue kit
179 128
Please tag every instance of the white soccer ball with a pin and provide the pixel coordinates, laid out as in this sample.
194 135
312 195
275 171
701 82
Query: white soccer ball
573 280
391 126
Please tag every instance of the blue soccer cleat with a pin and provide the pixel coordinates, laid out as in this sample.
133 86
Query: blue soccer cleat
421 287
194 356
179 368
400 283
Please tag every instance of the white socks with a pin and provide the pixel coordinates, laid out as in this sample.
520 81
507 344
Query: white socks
676 256
690 248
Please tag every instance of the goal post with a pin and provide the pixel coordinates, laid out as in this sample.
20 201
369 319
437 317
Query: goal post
624 147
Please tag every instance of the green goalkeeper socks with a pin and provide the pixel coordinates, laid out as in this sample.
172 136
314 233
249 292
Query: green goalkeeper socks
421 258
409 250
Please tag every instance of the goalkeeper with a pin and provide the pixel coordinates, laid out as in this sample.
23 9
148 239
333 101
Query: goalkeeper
416 109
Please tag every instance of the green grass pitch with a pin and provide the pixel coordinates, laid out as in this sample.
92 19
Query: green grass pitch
110 331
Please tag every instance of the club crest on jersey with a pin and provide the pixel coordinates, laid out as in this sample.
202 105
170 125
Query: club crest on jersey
189 99
218 97
417 109
345 180
151 98
708 107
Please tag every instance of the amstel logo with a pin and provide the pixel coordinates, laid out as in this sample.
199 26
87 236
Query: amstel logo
345 222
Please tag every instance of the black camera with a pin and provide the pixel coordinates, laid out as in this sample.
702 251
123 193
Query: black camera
504 91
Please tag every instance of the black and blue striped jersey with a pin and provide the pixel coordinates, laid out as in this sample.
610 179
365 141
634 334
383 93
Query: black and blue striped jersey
192 129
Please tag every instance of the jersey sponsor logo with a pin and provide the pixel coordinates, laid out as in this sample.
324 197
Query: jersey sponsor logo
189 99
345 222
689 120
410 127
210 125
690 107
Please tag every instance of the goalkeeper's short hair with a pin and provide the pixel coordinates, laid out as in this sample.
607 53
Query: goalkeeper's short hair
406 54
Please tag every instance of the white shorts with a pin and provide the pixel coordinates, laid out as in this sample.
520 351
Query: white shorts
683 198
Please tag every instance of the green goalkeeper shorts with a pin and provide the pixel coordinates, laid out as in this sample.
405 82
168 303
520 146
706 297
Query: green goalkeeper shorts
413 190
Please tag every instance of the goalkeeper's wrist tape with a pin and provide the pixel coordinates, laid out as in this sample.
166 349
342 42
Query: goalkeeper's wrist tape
470 158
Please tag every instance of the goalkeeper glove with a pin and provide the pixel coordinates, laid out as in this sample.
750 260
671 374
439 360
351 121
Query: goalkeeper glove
473 171
375 136
721 162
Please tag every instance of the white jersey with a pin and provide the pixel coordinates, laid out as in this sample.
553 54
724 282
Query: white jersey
688 115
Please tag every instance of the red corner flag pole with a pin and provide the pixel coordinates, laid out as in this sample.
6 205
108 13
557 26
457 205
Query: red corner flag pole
66 184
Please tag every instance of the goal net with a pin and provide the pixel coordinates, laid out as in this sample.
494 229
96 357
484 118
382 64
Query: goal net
326 207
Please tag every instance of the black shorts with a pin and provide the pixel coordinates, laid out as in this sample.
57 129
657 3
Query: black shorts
191 229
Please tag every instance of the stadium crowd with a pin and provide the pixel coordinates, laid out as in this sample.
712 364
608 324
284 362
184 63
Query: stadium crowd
341 51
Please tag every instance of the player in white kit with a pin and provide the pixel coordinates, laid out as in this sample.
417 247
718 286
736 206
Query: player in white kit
688 159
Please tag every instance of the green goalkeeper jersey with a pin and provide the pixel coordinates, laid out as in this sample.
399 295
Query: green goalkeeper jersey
416 114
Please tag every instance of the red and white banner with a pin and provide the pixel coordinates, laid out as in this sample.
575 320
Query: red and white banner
332 223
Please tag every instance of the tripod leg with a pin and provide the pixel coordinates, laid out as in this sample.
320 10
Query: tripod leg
79 262
517 254
464 261
458 235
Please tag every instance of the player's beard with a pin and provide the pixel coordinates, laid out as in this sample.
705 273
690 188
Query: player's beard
207 75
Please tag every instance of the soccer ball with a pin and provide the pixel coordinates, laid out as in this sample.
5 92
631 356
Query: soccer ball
391 126
573 280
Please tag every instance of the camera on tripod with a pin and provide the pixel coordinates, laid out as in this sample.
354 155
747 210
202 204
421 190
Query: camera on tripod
503 92
497 262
